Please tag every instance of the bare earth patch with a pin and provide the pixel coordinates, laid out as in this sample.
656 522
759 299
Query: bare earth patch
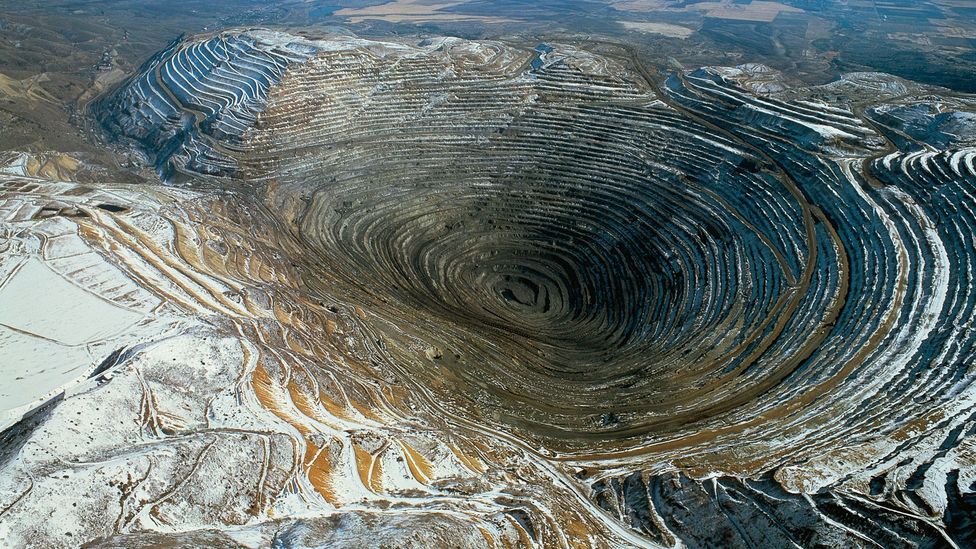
414 11
664 29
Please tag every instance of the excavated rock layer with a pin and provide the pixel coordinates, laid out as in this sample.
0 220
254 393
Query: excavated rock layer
700 315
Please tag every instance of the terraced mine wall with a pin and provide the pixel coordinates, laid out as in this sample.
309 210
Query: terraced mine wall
546 300
192 91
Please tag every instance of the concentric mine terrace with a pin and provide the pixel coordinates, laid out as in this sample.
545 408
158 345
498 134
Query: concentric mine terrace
465 293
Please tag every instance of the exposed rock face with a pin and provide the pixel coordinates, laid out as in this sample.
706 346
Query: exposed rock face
203 90
462 292
735 512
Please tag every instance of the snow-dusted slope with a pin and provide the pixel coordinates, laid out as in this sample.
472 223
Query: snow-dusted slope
465 293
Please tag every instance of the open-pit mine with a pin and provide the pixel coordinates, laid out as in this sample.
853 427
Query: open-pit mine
451 292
